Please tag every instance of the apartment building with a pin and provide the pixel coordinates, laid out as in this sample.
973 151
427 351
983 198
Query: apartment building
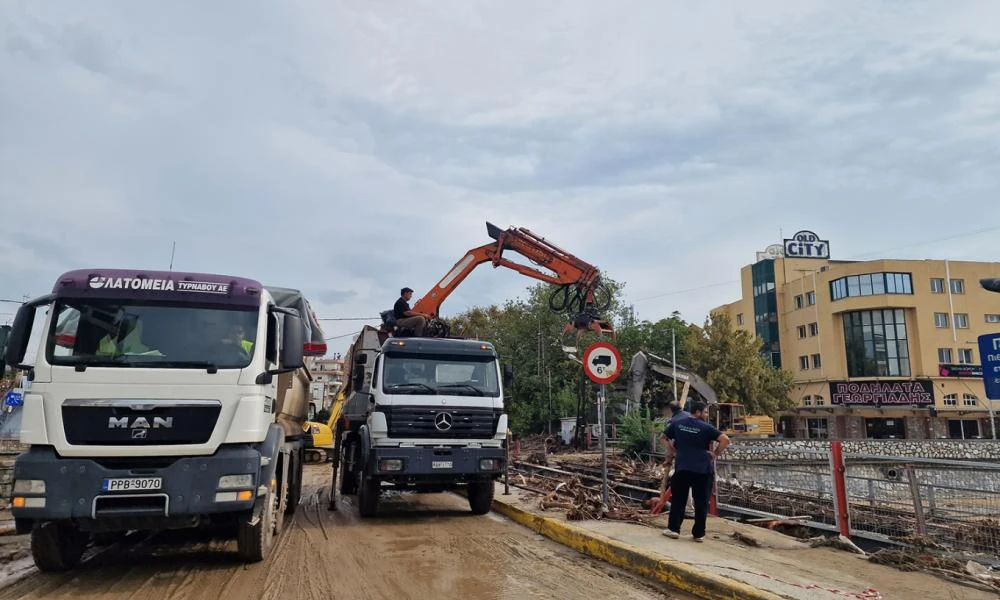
879 349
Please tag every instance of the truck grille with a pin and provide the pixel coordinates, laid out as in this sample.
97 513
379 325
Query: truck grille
120 424
432 422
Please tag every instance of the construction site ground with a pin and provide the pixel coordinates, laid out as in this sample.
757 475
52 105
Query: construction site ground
421 546
779 564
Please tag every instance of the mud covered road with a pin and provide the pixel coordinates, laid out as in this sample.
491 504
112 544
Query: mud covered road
419 547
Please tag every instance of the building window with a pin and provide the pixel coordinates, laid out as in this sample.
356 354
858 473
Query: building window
798 302
810 298
963 429
819 400
804 363
961 320
807 401
965 356
951 400
871 284
937 285
941 320
970 400
875 343
817 428
993 318
739 319
957 286
816 361
813 329
944 356
802 331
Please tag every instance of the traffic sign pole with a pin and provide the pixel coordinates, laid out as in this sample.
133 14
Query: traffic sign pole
602 363
602 401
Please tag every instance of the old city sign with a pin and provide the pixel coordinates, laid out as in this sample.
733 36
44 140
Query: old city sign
806 244
960 370
887 393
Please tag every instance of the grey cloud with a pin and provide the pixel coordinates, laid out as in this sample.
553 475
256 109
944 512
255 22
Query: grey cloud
336 296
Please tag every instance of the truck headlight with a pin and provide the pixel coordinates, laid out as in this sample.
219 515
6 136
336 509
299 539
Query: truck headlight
489 464
29 486
390 464
231 482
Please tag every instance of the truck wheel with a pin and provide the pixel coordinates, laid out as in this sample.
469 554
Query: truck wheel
481 496
368 493
57 547
254 541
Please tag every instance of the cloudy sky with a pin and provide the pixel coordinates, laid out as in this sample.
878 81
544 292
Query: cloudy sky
349 148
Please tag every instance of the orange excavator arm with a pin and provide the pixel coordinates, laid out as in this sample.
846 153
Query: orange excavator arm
579 281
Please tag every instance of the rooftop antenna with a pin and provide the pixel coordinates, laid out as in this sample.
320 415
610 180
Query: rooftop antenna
173 247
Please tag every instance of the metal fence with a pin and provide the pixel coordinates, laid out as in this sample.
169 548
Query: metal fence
786 484
944 505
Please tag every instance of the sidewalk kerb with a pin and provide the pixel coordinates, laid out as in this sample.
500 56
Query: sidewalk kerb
675 574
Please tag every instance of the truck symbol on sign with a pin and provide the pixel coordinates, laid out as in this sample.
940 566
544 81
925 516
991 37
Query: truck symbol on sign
604 359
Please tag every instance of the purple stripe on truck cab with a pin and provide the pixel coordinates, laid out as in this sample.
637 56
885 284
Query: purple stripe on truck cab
170 286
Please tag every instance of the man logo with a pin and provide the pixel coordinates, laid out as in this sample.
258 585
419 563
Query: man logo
98 282
140 423
139 434
443 421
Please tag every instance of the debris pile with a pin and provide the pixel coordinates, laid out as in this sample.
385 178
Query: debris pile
579 497
966 573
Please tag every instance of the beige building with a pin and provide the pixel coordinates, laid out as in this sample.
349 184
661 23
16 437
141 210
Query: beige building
328 378
879 349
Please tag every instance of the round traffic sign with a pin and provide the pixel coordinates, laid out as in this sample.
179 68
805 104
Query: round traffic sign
602 363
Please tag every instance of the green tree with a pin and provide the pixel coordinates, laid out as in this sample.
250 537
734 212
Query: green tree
731 362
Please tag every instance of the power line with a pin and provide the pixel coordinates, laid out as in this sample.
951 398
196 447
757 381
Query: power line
694 289
349 319
337 337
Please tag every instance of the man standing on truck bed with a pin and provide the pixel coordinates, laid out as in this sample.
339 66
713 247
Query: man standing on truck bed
406 318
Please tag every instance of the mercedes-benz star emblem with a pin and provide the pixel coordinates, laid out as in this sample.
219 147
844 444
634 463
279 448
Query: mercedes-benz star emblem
442 421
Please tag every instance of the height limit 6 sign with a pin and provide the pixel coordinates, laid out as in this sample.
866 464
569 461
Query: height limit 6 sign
602 363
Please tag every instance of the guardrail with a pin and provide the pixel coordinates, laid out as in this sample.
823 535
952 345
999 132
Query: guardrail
946 505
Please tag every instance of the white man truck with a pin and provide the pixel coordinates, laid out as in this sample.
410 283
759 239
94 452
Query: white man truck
420 414
160 400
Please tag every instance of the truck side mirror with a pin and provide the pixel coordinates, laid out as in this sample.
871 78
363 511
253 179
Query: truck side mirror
292 334
358 376
17 340
990 284
508 376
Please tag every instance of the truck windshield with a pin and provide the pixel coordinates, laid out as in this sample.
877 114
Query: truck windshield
129 334
431 374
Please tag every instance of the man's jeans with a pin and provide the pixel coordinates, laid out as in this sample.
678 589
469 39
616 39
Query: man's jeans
700 487
415 323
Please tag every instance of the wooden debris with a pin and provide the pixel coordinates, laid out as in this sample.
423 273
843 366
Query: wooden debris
745 539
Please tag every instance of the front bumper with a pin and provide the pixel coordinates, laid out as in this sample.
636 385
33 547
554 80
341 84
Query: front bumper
437 463
74 486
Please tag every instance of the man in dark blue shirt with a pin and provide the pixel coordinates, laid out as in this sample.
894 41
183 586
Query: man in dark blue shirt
691 444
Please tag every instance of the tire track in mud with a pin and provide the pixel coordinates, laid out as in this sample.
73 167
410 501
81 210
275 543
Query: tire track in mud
421 546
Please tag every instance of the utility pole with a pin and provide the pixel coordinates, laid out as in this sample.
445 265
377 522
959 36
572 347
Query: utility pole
550 401
673 349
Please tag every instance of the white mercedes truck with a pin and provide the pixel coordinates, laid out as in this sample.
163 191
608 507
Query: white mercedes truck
423 415
160 400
